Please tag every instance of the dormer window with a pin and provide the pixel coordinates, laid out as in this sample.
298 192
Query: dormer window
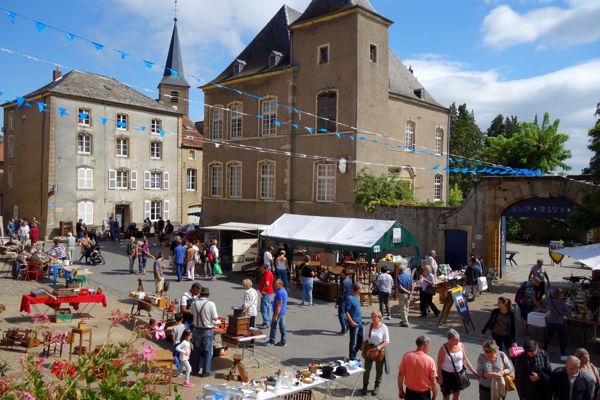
238 66
274 58
420 93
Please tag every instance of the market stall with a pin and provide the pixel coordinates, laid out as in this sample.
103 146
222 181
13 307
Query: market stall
334 237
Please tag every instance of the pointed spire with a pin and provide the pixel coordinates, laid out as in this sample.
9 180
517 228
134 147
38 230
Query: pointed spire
173 74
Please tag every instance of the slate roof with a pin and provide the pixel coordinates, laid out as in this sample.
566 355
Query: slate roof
100 88
191 135
274 36
404 83
174 62
319 8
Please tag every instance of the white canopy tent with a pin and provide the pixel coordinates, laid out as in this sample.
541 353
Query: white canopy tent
588 255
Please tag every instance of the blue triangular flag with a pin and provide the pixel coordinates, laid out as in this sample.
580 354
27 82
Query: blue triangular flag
148 64
28 104
399 146
41 106
295 126
446 169
12 16
98 46
123 54
40 26
362 138
309 129
450 159
62 111
121 124
83 115
277 123
351 137
103 120
422 152
259 116
161 133
337 134
70 36
142 128
173 72
436 167
323 130
20 101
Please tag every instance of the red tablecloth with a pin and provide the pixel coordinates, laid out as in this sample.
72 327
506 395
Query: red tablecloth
28 300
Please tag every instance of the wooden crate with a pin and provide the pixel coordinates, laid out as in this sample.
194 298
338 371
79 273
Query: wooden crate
238 326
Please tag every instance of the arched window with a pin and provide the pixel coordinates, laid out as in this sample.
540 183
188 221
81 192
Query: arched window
268 112
410 135
234 180
216 180
266 180
216 127
325 182
155 150
439 141
84 143
85 178
437 188
85 212
327 111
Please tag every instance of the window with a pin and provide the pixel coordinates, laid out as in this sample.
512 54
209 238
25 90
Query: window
439 140
268 111
410 135
234 180
156 150
266 180
84 116
191 154
373 53
238 66
174 97
156 126
155 209
216 180
85 178
85 212
84 143
154 180
10 146
274 58
122 147
323 54
11 120
437 188
122 121
327 108
9 176
235 121
325 183
122 179
216 131
191 180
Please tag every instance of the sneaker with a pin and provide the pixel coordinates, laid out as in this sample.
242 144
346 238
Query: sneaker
563 358
269 343
280 344
188 384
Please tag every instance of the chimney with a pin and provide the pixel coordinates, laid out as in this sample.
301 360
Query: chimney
410 69
56 74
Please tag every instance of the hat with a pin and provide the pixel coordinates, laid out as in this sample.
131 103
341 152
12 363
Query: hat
341 371
204 290
530 345
327 373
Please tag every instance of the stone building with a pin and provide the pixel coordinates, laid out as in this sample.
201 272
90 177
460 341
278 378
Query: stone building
102 149
332 61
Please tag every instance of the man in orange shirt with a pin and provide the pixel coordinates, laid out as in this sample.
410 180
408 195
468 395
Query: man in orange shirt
266 290
417 370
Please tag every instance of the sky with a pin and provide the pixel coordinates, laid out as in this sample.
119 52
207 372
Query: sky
515 57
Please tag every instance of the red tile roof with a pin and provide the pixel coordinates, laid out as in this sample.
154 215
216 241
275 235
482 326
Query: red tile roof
192 137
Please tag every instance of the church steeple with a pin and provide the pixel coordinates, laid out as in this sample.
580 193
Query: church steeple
173 88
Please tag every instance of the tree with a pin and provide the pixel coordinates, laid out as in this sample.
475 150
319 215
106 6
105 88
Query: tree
587 215
594 145
497 127
533 146
466 141
511 126
383 190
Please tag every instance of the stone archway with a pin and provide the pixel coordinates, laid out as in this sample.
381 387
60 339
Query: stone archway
491 196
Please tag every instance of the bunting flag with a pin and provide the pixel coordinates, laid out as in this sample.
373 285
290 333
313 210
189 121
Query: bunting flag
149 64
98 46
70 36
40 26
11 16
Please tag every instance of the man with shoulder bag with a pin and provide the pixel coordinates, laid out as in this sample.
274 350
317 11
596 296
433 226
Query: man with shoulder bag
205 314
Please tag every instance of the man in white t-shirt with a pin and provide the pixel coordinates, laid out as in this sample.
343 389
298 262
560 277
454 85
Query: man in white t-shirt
430 260
268 258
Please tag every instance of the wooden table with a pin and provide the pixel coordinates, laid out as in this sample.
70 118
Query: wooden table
586 324
28 301
244 342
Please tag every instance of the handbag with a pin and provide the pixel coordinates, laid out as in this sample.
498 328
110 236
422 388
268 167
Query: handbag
370 351
217 269
509 380
462 380
374 290
430 290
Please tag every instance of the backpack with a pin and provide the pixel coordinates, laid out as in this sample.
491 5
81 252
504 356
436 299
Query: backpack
521 296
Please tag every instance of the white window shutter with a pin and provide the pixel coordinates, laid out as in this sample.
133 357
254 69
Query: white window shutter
80 177
112 179
165 180
146 209
147 181
166 209
133 180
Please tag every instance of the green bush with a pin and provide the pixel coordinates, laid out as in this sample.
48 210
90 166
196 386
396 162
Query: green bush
381 190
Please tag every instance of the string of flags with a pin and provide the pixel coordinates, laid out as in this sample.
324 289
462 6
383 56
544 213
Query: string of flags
361 134
479 166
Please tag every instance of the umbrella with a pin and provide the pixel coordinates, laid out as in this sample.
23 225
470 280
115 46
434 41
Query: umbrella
587 255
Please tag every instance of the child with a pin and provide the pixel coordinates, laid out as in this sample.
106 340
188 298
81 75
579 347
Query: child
185 349
176 334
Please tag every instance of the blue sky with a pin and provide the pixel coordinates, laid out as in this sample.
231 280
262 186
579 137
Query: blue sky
521 57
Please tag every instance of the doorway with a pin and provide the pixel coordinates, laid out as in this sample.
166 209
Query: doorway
456 248
122 215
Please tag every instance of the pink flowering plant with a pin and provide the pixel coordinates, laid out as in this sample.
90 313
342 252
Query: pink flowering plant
113 371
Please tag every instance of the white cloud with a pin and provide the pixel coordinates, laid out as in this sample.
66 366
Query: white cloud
548 27
569 94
